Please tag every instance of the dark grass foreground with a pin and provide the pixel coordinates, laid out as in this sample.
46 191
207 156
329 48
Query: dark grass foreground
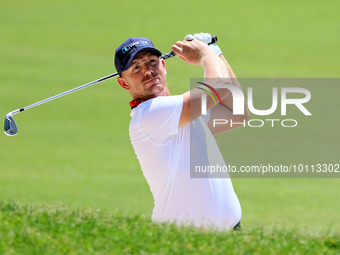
46 229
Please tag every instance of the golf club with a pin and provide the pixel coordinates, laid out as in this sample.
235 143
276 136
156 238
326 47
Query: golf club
10 127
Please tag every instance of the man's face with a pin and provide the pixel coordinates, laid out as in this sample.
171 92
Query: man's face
145 78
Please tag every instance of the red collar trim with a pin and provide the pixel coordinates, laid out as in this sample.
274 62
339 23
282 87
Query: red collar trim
135 102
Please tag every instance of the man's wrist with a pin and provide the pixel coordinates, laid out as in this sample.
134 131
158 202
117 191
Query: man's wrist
208 56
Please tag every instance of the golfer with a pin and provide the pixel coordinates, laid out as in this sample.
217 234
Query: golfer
169 133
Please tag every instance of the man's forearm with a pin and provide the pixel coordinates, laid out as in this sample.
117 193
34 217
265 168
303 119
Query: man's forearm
228 101
214 67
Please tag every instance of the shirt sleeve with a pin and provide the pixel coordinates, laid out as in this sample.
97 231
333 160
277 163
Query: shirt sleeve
160 117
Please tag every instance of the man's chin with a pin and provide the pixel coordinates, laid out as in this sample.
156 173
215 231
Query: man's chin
156 91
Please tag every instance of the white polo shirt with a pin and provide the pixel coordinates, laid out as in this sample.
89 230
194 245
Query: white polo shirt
164 154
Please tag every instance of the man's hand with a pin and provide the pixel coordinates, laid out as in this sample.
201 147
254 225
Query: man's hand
192 51
206 38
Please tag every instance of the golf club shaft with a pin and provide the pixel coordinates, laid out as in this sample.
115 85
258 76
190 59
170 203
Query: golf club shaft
164 56
64 93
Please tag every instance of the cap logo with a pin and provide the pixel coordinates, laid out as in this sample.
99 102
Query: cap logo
134 44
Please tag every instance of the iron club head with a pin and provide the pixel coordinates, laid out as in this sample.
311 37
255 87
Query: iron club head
10 128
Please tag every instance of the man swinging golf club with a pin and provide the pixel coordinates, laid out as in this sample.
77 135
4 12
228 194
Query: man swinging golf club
164 128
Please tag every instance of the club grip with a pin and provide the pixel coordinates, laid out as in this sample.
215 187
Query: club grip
168 55
213 39
172 54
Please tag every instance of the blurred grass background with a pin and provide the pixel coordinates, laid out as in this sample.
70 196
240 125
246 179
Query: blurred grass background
76 150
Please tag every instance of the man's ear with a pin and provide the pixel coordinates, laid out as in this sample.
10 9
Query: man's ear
163 63
123 83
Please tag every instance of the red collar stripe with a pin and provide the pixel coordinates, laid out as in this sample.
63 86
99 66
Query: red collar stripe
135 102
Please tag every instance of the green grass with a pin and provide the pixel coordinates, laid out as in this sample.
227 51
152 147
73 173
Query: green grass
76 150
44 229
